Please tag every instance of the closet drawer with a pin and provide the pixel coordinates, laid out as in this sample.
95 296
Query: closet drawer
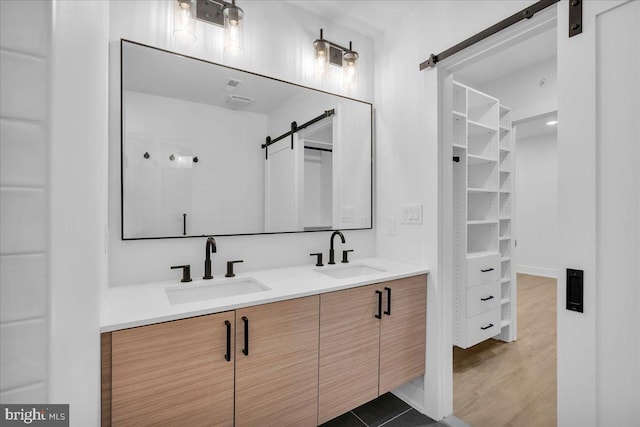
483 326
481 270
483 298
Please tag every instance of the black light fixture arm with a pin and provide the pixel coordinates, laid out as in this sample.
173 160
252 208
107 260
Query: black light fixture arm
336 45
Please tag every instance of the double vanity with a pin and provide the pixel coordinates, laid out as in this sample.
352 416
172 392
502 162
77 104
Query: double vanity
291 346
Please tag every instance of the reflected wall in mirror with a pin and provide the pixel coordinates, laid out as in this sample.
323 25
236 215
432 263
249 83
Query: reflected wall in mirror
194 160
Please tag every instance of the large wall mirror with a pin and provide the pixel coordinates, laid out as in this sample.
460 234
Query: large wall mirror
196 159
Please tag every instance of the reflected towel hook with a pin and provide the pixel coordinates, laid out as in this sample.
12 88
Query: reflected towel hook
172 157
146 155
195 159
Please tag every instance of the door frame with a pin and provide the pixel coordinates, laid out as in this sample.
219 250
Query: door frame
540 22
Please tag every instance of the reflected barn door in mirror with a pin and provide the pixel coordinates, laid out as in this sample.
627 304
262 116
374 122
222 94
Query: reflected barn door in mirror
194 161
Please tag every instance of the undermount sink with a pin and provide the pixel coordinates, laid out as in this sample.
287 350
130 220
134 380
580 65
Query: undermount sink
350 271
182 294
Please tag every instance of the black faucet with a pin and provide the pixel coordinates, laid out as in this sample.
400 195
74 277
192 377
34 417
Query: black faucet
208 250
331 251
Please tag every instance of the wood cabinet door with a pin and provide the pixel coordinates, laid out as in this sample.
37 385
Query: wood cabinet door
403 334
277 378
349 350
173 373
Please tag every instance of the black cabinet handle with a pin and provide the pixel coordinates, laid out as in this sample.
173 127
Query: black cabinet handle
227 356
388 310
487 270
486 327
487 298
379 315
245 350
184 224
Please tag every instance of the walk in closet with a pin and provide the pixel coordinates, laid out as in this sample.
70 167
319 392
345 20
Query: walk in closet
483 198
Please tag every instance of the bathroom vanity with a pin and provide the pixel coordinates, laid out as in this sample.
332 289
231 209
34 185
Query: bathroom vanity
305 346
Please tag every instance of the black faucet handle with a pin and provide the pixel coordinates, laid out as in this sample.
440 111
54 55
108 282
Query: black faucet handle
230 272
186 272
319 259
345 255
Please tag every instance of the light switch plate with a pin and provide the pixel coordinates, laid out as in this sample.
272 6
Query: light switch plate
411 214
391 226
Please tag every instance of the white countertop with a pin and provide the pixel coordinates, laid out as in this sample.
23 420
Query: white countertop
147 303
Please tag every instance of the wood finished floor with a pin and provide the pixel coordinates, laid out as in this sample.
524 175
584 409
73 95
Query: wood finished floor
512 384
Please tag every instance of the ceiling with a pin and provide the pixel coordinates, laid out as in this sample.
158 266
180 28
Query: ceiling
536 126
523 55
160 73
366 16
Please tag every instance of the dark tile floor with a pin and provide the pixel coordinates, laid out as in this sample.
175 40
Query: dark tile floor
387 410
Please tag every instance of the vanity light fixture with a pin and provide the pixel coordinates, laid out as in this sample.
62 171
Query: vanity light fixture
328 52
184 20
217 12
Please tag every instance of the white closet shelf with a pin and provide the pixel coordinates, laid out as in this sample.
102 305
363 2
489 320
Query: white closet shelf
477 160
481 254
504 301
505 279
505 149
459 146
505 238
476 128
505 259
458 113
482 221
505 323
481 190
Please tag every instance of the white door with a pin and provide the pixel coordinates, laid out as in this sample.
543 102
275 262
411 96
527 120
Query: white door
598 206
284 186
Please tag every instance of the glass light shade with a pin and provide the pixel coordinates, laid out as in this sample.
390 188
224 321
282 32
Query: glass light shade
184 20
233 29
350 69
321 59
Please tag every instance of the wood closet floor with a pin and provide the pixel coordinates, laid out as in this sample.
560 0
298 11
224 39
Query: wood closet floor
512 384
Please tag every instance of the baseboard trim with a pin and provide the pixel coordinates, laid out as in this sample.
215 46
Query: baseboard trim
538 271
412 395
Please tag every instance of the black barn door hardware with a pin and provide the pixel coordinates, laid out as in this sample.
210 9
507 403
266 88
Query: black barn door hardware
295 128
575 27
184 224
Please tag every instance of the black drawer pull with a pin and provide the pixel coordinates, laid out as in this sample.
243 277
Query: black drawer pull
486 327
227 356
487 298
487 270
388 310
245 350
379 315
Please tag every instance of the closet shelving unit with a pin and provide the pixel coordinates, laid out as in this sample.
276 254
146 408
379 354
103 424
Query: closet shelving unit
482 186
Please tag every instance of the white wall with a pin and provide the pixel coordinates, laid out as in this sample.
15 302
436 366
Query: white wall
78 203
407 158
537 205
522 93
278 43
25 51
223 192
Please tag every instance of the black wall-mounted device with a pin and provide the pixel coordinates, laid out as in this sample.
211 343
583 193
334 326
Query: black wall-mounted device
575 290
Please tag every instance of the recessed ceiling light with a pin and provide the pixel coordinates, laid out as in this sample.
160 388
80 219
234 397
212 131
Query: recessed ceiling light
552 122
